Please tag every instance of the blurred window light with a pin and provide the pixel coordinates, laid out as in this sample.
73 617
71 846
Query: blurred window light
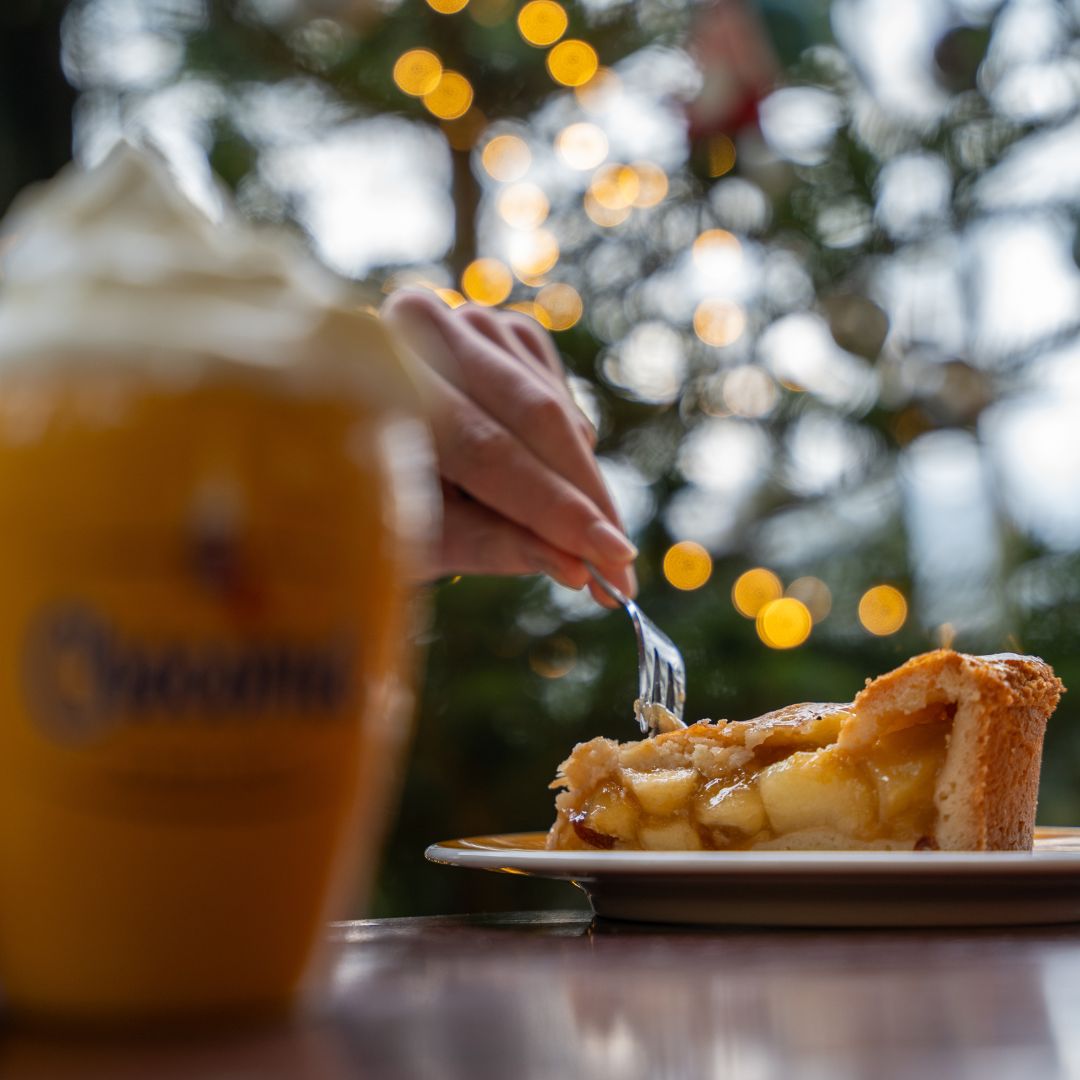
883 610
913 194
572 62
923 291
719 322
523 205
417 72
1034 443
799 349
844 522
447 7
542 22
649 363
825 451
615 187
506 158
561 304
487 282
753 589
1038 92
581 146
1040 169
944 478
451 98
125 45
784 623
814 594
652 184
711 519
892 45
630 492
726 455
533 254
687 565
800 123
373 193
740 204
1025 283
750 392
1026 32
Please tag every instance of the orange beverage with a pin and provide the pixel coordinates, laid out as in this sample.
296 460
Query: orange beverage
202 638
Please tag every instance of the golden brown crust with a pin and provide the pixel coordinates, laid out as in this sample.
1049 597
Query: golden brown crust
987 788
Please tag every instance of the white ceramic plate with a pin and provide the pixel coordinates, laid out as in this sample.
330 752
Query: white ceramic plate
801 888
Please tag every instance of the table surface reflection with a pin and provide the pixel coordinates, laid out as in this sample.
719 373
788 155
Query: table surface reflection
550 994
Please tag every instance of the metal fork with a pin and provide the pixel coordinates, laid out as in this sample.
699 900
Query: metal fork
661 670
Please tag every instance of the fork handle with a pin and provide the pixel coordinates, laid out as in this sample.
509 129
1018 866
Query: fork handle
606 585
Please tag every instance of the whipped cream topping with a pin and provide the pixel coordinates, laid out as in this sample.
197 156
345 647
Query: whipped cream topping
116 261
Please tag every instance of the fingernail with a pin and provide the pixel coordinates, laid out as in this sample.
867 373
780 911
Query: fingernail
631 582
607 544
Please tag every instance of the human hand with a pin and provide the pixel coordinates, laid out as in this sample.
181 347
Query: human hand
522 491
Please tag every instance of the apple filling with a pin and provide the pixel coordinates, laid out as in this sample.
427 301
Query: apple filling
796 787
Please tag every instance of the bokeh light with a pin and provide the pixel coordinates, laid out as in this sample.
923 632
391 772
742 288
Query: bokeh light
815 594
533 310
883 610
447 7
487 282
721 155
581 146
572 62
542 22
554 657
719 322
561 304
754 589
450 297
687 565
506 158
451 98
533 254
715 244
615 187
784 623
523 205
652 184
601 215
417 72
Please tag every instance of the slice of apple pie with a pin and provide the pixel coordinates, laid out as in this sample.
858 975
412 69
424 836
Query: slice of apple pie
943 752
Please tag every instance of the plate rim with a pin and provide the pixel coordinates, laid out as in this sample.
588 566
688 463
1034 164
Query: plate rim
474 853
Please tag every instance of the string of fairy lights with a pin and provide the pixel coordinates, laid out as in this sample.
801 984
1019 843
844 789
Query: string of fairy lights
783 617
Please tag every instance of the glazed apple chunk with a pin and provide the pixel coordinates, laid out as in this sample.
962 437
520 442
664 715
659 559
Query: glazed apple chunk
794 787
941 753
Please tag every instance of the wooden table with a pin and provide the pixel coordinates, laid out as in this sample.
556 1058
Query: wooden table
554 995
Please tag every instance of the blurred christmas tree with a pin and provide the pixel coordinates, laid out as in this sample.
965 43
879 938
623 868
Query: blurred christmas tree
813 266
